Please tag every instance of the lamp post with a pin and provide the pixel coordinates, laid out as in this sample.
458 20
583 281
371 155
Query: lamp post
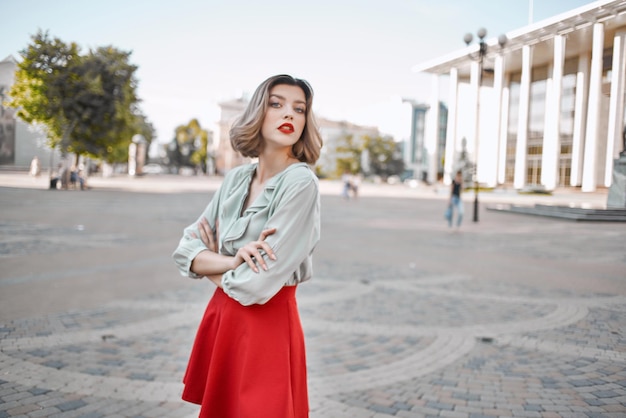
479 57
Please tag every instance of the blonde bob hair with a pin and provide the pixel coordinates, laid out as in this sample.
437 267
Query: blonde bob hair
245 134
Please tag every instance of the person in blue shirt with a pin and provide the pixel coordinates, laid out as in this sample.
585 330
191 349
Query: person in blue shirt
455 200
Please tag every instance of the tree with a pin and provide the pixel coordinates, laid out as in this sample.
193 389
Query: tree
385 159
378 155
87 103
349 153
189 146
43 75
105 105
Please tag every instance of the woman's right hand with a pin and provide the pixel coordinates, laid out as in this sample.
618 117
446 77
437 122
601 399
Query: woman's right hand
208 237
251 254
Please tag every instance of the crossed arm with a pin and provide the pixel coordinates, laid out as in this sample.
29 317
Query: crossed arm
212 264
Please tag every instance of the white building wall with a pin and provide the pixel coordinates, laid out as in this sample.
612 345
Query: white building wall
487 135
31 142
452 140
601 147
590 160
615 124
432 131
522 127
504 123
580 119
500 140
551 138
474 115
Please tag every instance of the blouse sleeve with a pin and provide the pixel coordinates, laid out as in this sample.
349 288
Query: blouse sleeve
188 246
297 223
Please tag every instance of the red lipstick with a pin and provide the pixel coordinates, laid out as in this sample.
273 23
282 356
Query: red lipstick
286 128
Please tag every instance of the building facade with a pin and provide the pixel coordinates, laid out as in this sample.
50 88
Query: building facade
548 109
423 159
225 157
19 141
332 133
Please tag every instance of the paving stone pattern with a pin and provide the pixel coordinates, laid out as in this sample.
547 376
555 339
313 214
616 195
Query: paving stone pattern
399 330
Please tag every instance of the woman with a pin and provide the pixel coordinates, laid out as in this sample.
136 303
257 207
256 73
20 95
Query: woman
255 241
455 200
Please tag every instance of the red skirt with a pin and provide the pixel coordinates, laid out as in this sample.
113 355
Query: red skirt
249 361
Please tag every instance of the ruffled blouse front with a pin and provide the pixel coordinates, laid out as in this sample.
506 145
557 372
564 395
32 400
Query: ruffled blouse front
289 202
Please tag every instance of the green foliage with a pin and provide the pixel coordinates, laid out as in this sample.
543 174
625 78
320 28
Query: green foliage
189 146
105 105
46 71
349 151
144 127
381 155
88 103
384 157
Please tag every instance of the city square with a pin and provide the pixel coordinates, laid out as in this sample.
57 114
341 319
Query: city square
514 315
120 121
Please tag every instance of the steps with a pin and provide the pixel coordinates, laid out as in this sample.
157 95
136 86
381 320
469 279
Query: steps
565 212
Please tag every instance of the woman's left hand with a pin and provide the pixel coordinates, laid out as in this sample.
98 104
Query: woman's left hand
250 253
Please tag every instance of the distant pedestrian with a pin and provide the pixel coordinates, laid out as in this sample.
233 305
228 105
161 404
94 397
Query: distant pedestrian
76 178
55 180
35 167
346 183
455 202
355 182
254 242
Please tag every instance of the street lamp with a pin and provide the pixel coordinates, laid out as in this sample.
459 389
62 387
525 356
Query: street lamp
479 57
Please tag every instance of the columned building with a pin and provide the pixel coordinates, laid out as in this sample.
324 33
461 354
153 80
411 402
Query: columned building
549 109
425 160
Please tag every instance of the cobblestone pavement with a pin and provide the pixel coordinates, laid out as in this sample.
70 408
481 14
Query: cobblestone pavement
512 316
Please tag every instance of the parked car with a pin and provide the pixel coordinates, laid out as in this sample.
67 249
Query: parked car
153 169
393 179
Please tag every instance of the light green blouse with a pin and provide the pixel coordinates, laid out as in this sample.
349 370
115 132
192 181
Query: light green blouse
289 202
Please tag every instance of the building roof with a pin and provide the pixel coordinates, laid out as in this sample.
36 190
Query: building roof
9 60
576 25
324 123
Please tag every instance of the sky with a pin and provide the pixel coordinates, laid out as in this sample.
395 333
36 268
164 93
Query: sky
194 54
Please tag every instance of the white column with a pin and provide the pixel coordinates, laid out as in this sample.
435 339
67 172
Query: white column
589 181
580 119
551 134
474 113
498 84
522 127
616 107
453 99
504 134
431 134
